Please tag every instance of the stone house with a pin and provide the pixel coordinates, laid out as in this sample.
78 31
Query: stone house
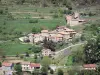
47 52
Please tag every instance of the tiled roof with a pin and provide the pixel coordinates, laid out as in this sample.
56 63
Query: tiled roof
44 31
35 65
89 66
25 63
59 35
62 32
6 64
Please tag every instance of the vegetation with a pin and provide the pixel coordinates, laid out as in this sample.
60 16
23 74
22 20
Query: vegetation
11 48
46 61
18 68
0 64
49 44
33 21
91 51
51 71
60 72
83 72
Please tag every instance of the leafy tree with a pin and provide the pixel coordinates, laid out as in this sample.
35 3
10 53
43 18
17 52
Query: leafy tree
18 68
46 61
92 50
60 72
44 70
49 44
35 58
36 30
36 49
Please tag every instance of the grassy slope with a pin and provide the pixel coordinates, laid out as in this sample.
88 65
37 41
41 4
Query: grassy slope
11 48
68 59
23 25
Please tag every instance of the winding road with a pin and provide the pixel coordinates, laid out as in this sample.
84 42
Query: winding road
66 50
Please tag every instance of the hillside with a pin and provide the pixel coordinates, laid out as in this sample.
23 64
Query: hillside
46 3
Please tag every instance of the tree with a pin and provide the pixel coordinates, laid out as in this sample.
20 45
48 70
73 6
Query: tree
60 72
49 44
36 30
35 58
46 61
51 71
35 72
92 50
18 68
44 70
98 70
36 49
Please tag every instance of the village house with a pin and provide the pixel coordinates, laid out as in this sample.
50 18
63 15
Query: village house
56 37
38 38
74 20
90 66
34 66
45 33
7 68
59 34
64 34
25 66
47 52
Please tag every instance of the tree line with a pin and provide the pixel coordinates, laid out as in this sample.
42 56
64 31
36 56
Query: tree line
46 3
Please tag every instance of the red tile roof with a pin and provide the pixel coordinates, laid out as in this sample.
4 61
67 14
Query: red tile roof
6 64
35 65
89 66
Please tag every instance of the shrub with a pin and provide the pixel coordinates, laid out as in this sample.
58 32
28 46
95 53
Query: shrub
0 64
36 30
51 71
1 11
36 49
60 72
33 21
